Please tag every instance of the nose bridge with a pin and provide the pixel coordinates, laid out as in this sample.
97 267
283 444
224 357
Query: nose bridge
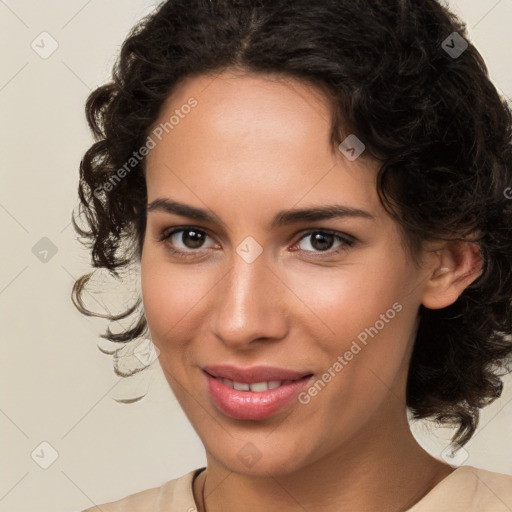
248 308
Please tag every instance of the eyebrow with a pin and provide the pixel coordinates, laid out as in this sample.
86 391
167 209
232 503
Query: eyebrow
282 218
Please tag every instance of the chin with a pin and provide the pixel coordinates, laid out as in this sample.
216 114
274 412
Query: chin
255 455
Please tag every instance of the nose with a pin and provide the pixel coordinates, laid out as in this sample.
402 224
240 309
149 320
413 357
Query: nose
250 304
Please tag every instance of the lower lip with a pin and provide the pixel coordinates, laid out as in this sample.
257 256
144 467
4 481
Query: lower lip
251 405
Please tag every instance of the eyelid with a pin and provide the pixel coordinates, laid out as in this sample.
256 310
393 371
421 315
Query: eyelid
341 234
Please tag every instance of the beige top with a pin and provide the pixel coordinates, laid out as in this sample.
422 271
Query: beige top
467 489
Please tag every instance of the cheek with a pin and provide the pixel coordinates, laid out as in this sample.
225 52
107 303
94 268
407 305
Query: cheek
348 299
366 315
170 294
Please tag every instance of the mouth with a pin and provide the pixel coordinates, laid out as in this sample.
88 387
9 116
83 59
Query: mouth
257 387
255 374
255 393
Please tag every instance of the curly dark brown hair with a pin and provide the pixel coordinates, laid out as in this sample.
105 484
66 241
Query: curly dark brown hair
432 117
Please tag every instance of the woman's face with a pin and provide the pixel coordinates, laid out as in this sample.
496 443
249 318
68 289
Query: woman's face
254 285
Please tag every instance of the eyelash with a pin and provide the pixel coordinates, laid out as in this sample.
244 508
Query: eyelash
347 241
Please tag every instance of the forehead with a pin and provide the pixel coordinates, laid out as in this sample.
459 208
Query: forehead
253 136
243 111
241 90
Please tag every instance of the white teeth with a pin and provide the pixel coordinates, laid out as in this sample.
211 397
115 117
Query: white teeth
228 382
257 387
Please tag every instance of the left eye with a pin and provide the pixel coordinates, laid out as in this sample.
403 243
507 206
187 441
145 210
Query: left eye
322 241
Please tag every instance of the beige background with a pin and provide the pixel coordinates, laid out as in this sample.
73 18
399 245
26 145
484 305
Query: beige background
56 386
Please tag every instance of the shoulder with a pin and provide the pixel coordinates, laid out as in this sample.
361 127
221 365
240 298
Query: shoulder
492 487
175 494
469 489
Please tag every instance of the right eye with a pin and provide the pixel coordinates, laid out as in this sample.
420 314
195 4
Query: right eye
190 238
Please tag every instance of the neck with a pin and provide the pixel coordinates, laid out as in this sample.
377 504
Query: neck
385 470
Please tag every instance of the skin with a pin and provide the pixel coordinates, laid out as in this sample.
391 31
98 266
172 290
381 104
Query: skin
255 145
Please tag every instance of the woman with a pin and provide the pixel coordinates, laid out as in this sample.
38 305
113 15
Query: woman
316 195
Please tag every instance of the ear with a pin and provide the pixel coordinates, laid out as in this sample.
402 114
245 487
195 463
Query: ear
454 267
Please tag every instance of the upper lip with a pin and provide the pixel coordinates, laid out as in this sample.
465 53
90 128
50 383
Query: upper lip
254 373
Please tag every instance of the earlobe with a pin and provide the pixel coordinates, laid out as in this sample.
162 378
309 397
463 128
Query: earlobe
456 266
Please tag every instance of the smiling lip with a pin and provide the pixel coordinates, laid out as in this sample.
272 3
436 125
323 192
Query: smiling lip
253 405
253 374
